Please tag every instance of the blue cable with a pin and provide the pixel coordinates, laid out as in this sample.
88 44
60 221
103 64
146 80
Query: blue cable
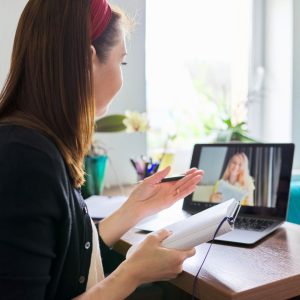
211 243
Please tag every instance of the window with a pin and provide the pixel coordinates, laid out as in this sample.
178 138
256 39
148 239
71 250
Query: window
197 66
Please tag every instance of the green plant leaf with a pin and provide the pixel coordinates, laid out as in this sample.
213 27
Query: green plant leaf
239 130
228 123
111 123
240 125
242 137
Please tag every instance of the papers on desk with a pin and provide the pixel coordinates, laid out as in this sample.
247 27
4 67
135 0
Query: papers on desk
100 207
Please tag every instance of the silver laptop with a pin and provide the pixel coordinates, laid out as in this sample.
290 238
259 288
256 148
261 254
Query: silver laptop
258 175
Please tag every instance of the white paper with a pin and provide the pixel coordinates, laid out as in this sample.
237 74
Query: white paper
229 191
100 207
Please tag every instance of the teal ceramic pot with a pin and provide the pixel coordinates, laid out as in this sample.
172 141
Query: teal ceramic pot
294 202
95 172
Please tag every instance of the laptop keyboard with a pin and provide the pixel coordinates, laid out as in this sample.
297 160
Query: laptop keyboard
252 224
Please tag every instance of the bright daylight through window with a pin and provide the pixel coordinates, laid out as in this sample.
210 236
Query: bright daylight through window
197 54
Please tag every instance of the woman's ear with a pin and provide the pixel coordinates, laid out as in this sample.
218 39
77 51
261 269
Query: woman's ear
93 54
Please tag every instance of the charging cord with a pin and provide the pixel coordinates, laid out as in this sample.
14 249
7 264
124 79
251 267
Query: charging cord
230 220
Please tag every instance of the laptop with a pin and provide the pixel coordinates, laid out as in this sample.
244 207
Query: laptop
258 175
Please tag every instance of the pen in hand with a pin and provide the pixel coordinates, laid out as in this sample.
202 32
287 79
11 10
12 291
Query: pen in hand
168 179
173 178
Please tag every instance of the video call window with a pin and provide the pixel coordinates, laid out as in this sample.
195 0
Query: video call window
248 174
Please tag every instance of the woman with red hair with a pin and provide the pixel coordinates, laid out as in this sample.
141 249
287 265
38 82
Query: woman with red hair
65 69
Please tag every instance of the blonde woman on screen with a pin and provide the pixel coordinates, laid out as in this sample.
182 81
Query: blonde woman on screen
236 177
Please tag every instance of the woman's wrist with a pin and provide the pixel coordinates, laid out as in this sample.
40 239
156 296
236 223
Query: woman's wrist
117 286
121 282
132 212
113 227
131 274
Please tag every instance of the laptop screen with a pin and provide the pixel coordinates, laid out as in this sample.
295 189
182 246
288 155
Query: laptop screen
256 174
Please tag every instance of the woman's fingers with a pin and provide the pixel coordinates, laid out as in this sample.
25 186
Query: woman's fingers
189 176
160 235
192 170
189 253
161 263
158 176
190 179
181 194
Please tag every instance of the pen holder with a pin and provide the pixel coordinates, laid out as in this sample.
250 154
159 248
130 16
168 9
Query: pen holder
144 167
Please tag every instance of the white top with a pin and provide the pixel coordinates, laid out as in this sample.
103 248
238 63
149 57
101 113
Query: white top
96 270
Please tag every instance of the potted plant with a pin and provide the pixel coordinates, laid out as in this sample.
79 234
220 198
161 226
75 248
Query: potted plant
229 131
233 132
96 160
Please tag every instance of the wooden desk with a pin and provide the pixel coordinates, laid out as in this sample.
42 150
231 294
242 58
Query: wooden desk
270 270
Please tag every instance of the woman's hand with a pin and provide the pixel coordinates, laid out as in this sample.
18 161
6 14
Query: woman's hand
216 197
149 197
148 261
152 195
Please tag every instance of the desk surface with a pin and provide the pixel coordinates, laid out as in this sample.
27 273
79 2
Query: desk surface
270 270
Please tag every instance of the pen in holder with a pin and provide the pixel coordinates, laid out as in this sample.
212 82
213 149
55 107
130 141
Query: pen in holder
144 167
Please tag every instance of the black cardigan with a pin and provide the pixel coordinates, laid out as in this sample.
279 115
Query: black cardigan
45 229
